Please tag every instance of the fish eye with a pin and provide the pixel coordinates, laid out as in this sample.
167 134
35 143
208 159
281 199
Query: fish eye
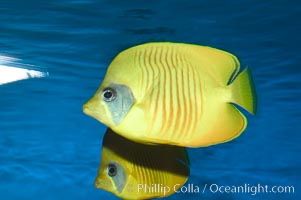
108 94
112 170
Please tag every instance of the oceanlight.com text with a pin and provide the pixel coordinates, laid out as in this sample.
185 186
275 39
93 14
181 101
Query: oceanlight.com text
248 189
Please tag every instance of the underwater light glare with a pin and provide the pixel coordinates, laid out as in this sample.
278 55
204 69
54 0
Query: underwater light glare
11 70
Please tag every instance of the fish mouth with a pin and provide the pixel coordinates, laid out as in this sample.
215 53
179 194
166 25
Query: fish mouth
94 111
86 109
89 110
103 183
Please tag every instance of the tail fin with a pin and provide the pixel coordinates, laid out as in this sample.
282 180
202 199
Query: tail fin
243 91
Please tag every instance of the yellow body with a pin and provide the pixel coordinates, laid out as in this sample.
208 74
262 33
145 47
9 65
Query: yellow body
183 95
145 171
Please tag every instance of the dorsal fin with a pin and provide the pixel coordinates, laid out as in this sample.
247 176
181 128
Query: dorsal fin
221 65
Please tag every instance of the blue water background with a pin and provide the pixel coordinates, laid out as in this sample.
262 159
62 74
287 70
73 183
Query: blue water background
50 150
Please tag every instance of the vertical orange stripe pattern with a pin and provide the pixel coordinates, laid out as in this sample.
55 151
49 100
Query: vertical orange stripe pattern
172 91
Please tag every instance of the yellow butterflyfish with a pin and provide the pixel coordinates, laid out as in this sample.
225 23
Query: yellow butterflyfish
133 170
174 93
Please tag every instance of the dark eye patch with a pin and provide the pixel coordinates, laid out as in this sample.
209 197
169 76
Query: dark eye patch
108 94
118 99
112 170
